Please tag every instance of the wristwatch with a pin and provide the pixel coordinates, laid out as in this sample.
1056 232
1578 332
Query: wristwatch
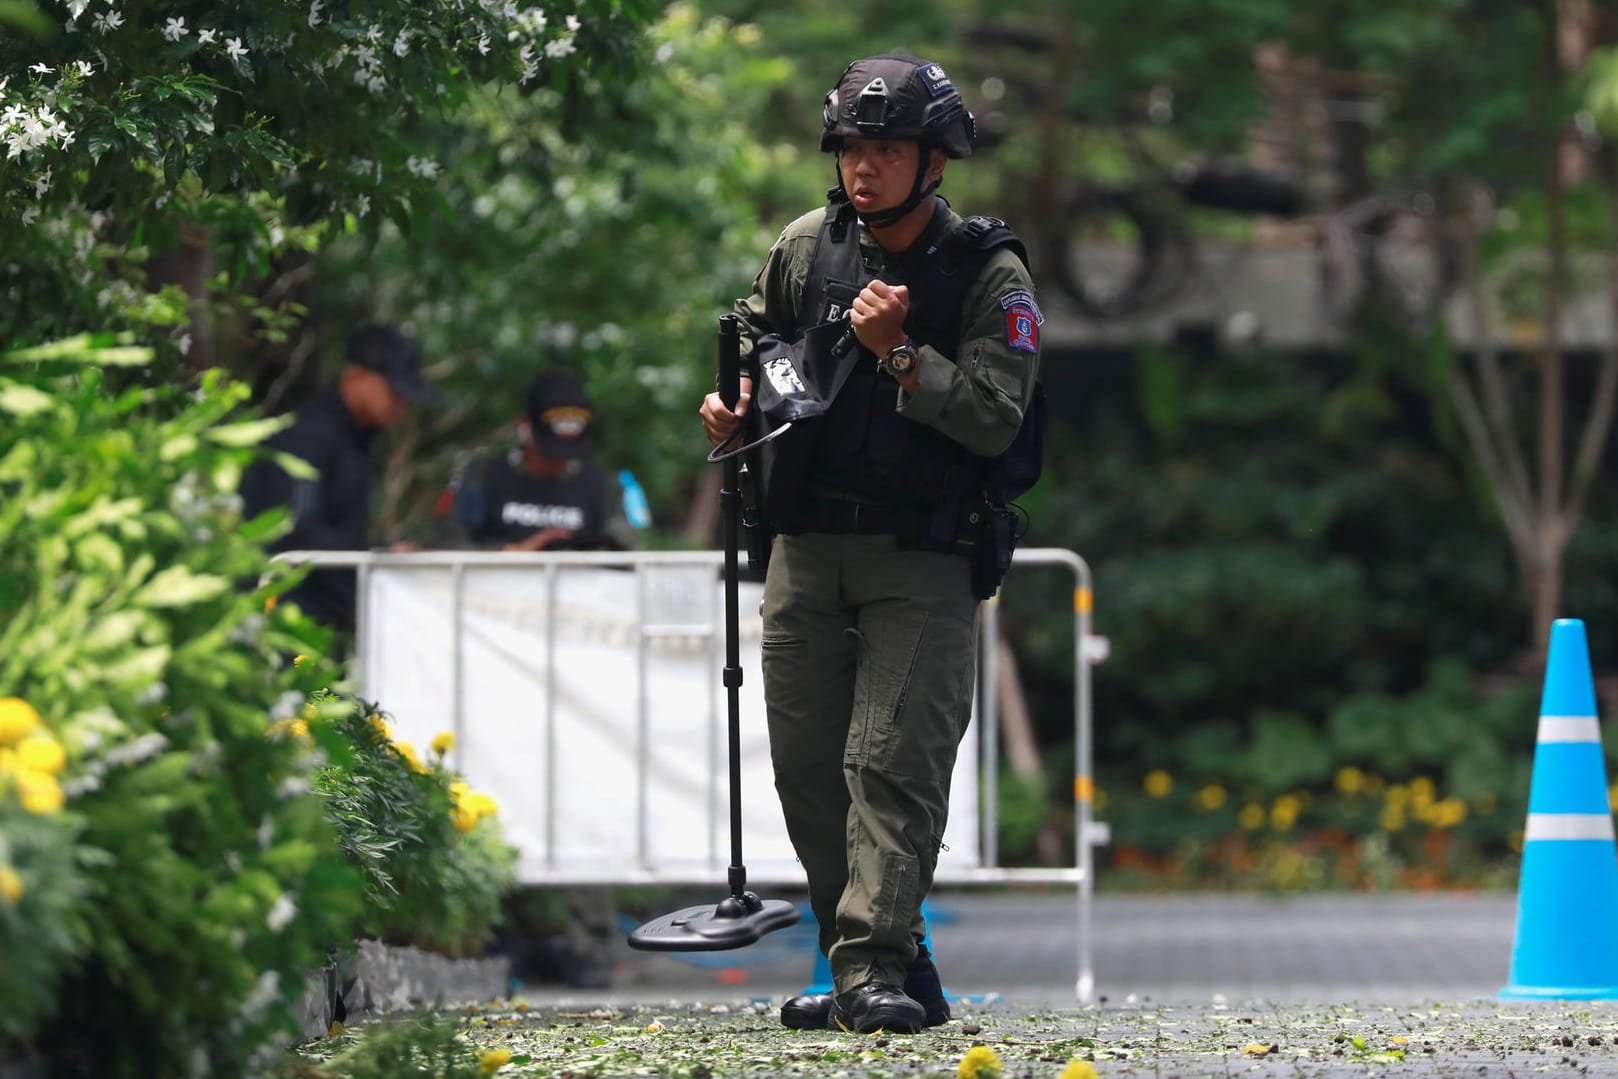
900 361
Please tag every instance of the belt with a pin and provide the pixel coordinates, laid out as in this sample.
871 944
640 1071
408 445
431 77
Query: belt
857 518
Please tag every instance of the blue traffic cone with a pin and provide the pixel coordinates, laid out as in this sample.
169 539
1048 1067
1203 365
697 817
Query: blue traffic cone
821 980
1567 899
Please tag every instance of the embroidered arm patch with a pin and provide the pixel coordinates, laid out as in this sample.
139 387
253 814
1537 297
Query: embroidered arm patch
1023 320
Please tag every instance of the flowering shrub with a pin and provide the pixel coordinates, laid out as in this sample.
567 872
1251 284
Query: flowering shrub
434 863
233 124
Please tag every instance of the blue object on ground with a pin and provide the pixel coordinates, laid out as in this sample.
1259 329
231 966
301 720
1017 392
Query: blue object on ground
1566 945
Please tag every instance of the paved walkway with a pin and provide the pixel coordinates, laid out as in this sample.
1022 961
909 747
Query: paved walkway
1021 948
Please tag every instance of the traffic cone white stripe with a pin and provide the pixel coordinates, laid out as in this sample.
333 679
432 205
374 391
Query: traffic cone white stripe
1568 826
1569 729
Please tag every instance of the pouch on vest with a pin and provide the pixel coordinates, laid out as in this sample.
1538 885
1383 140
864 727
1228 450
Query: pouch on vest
795 383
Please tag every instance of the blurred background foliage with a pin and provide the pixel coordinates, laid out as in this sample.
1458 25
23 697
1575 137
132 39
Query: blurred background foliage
1307 559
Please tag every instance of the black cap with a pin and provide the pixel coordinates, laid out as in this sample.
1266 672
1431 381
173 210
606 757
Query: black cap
560 412
394 355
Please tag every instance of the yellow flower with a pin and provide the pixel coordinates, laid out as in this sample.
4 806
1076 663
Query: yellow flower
980 1062
1284 812
8 760
1256 1050
1400 1039
493 1060
1211 797
443 742
42 753
10 884
480 805
1157 783
270 603
1392 818
298 661
1421 790
408 751
309 712
1350 780
1077 1069
1251 817
17 720
39 792
1448 813
380 725
463 818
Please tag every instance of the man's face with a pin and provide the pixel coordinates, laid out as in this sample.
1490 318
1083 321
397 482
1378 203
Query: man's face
879 174
371 399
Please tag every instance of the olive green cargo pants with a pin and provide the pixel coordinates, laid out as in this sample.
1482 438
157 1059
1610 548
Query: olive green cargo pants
868 658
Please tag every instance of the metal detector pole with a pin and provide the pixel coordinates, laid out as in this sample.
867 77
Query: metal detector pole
730 497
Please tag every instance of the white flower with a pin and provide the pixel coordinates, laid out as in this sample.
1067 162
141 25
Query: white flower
42 184
109 20
573 24
664 52
43 69
559 48
314 12
83 68
362 205
281 913
75 8
175 29
30 215
483 45
184 343
234 48
424 167
401 44
205 36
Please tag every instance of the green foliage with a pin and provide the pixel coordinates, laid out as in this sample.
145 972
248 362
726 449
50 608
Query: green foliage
601 230
210 881
435 866
41 927
233 125
431 1047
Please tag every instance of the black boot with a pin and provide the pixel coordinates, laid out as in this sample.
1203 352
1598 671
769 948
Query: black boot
812 1011
874 1006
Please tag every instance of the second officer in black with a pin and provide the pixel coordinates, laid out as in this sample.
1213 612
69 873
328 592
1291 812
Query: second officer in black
549 493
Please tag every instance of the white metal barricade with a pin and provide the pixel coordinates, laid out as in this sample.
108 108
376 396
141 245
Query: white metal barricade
530 659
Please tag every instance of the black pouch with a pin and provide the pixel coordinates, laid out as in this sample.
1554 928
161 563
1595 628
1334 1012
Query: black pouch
995 533
756 530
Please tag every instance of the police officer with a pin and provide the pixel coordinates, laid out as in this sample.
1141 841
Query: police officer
549 493
381 379
870 599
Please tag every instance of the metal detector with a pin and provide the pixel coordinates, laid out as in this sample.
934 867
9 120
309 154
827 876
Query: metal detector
741 917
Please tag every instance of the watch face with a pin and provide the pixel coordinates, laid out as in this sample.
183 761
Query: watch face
900 360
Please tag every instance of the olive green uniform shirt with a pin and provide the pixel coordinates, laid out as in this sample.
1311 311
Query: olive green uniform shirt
976 398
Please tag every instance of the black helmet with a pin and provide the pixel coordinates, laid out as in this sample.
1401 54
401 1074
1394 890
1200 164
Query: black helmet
895 96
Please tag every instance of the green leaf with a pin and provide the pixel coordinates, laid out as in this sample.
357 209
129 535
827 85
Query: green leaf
139 669
294 466
177 586
80 349
250 433
113 631
23 400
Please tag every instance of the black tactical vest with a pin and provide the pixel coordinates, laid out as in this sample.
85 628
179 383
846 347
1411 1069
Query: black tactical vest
517 504
865 449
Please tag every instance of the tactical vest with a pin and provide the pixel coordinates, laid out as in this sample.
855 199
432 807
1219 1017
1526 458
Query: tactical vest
516 504
865 449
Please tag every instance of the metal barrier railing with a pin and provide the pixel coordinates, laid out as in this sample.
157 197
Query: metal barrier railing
1088 650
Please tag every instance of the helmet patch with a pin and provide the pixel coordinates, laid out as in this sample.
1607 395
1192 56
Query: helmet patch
933 77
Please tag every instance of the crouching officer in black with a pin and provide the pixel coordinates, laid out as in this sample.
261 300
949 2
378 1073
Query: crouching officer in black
872 589
549 493
334 432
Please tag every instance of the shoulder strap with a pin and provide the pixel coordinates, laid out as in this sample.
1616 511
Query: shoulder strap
978 237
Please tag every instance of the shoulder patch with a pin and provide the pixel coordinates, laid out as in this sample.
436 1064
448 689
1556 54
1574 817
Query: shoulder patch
1023 320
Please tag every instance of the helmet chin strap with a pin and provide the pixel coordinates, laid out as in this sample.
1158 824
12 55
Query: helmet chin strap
881 219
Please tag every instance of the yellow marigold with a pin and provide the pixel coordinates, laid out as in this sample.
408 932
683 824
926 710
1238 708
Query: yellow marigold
481 805
463 818
1211 797
1449 812
443 742
493 1060
980 1062
1284 812
1158 783
1350 780
408 751
42 753
17 720
1251 817
1422 790
1077 1069
10 884
8 760
39 792
1392 818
